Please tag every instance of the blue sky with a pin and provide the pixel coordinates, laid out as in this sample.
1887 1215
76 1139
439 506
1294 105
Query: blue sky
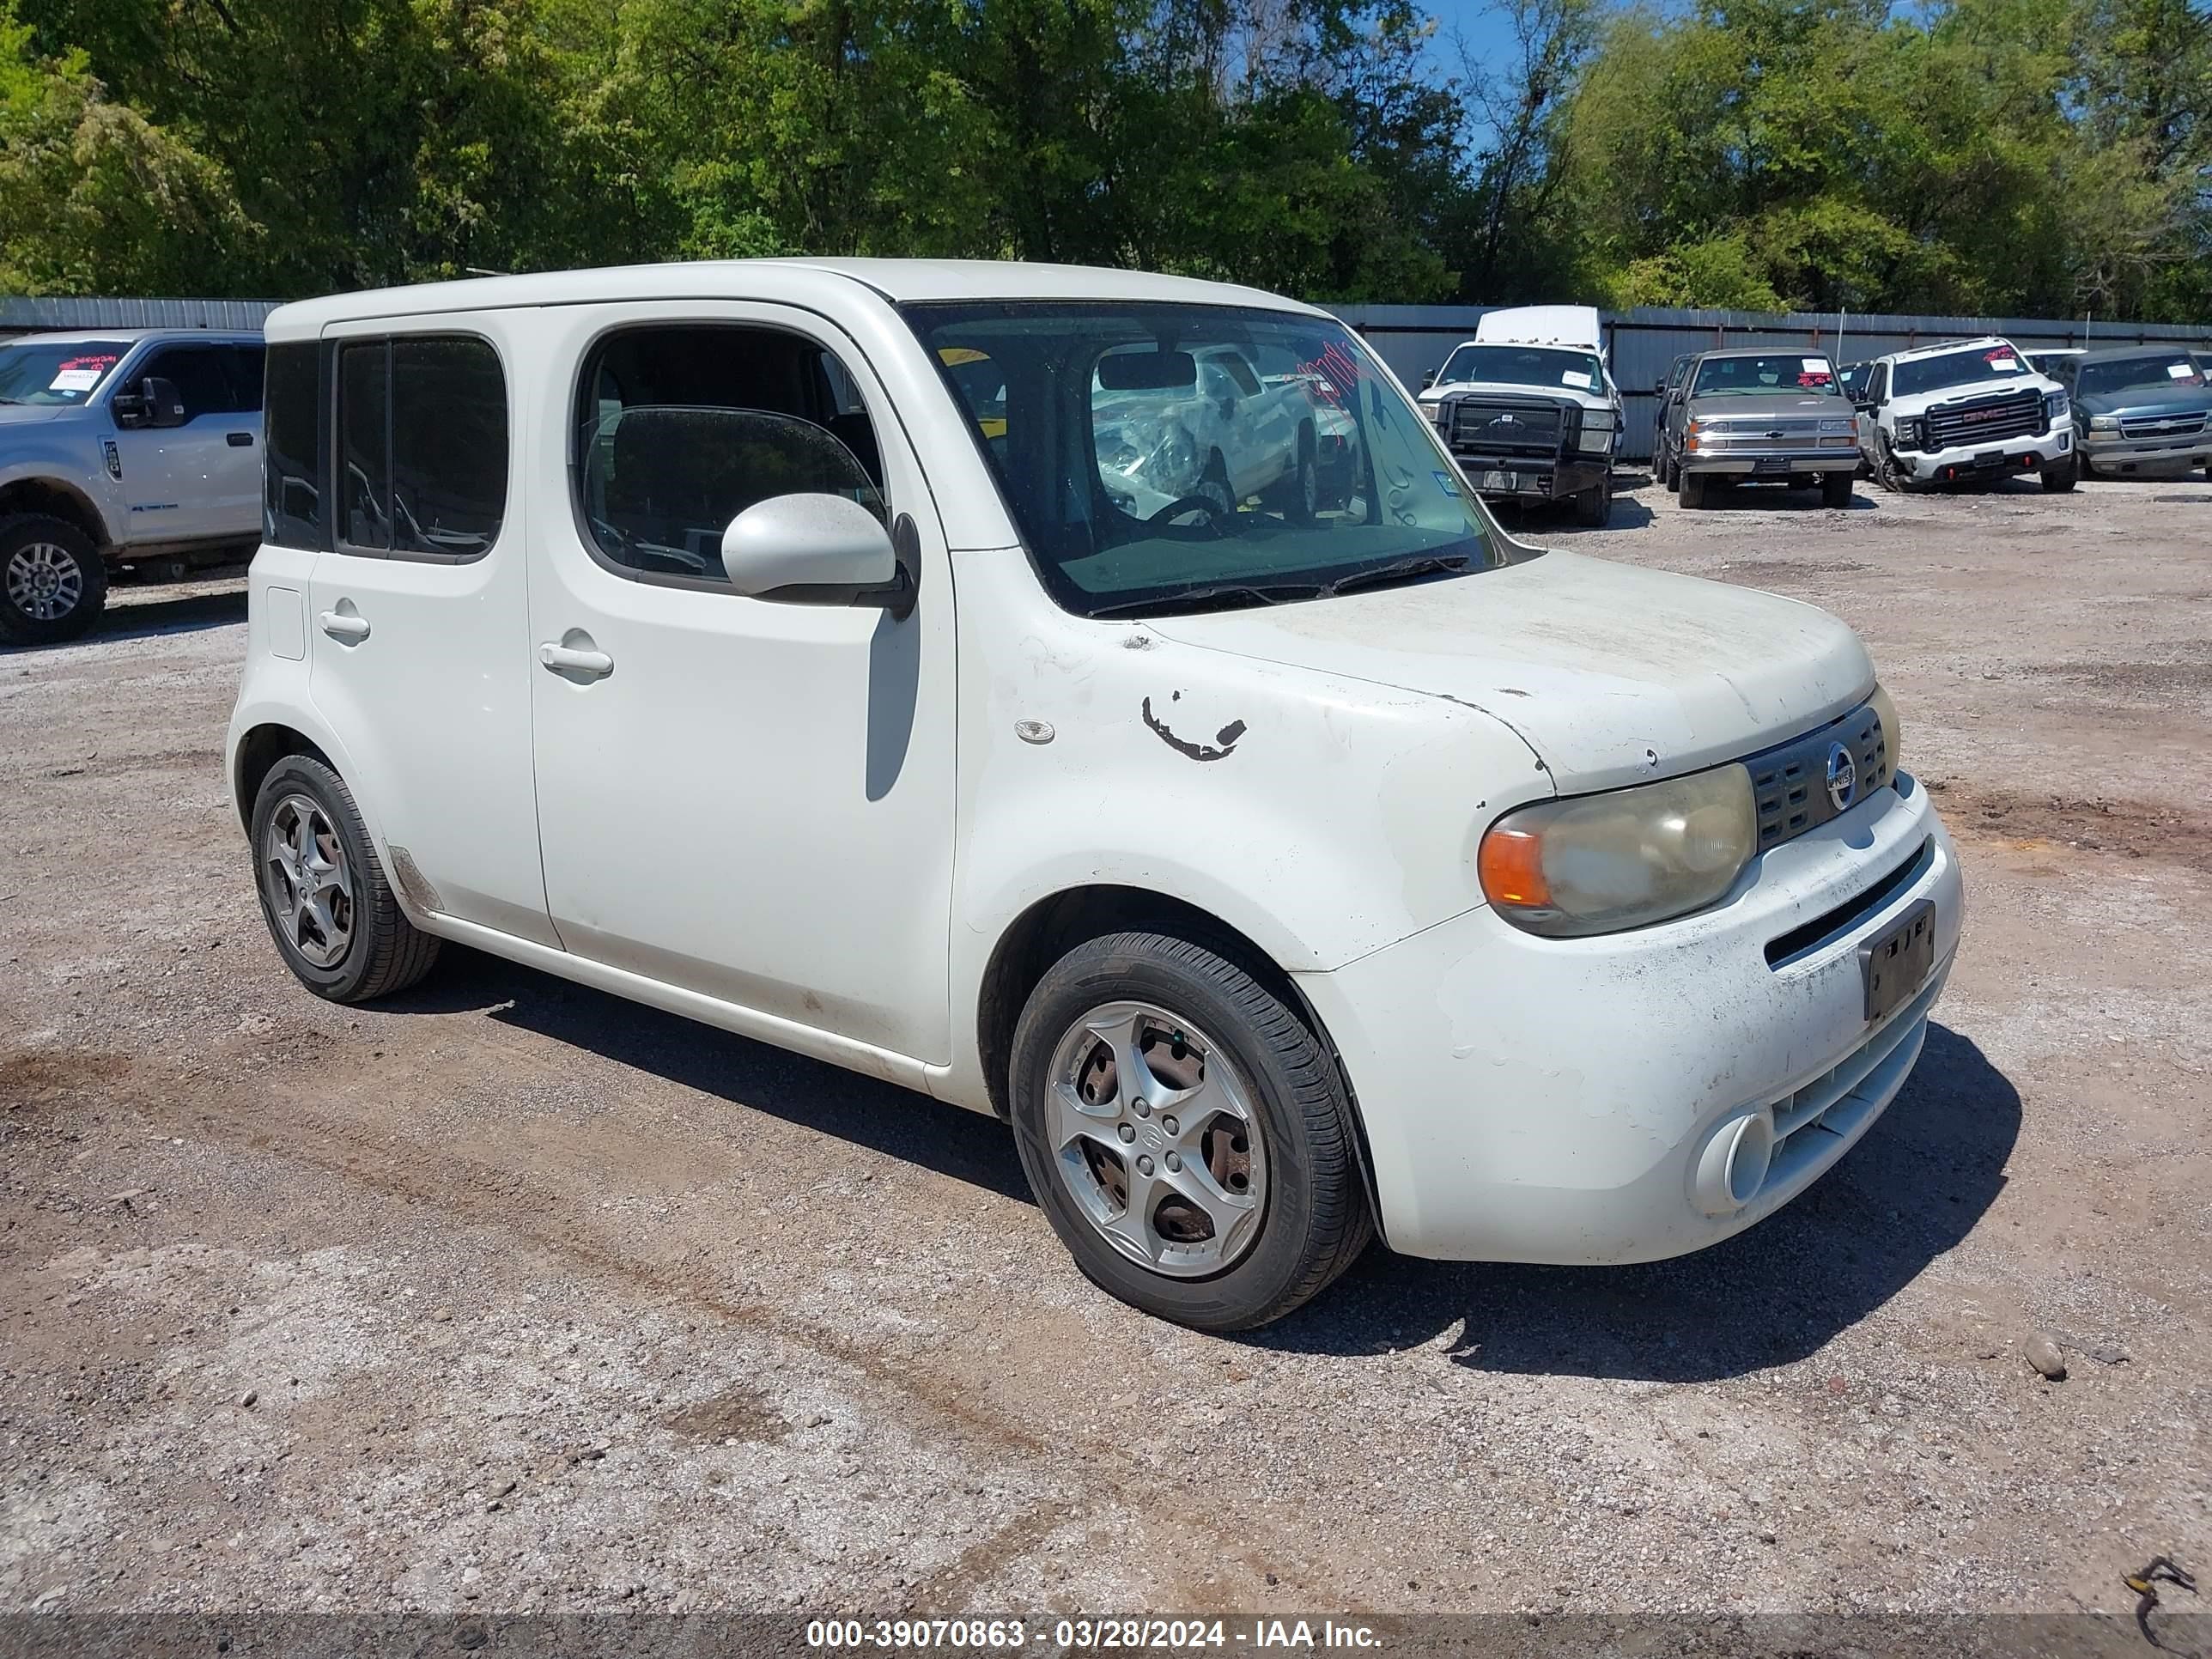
1485 33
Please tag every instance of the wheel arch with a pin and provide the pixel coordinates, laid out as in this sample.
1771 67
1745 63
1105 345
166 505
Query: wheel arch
55 498
256 756
1053 926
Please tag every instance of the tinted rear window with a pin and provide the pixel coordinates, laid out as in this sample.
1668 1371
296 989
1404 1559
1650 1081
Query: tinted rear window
293 447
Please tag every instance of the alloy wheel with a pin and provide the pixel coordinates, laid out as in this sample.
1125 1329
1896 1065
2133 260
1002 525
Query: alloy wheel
1156 1139
44 581
309 881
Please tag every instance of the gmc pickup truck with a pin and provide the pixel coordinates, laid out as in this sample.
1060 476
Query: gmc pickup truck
121 449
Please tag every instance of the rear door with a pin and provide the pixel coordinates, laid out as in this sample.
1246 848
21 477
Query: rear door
418 614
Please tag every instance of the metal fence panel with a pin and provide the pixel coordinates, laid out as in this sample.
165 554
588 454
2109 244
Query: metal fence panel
1642 344
23 316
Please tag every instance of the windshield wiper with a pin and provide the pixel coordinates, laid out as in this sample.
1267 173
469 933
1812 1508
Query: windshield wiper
1227 596
1428 564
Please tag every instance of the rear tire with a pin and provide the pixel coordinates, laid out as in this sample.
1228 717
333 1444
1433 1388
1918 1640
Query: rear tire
2058 480
1139 1048
1835 489
335 919
53 582
1691 490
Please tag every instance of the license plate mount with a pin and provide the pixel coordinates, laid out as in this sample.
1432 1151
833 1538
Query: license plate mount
1500 481
1897 961
1771 464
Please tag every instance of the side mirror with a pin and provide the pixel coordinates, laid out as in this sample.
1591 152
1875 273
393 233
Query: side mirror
819 549
1428 379
154 403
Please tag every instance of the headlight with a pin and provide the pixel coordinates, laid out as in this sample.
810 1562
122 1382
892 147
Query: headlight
1836 426
1599 420
1892 734
1598 864
1596 439
1908 433
2103 423
2055 408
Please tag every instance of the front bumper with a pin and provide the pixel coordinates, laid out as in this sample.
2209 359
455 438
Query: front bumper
1555 1100
1778 465
1533 478
2111 453
2028 454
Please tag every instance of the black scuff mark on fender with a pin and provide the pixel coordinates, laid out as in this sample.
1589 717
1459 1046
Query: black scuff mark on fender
1516 691
1227 737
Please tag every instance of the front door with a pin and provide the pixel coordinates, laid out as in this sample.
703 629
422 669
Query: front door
749 799
200 481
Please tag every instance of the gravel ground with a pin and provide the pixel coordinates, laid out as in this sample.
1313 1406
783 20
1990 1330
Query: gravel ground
512 1296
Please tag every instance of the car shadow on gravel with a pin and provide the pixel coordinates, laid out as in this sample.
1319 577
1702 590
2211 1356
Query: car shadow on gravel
1773 1294
882 1117
146 619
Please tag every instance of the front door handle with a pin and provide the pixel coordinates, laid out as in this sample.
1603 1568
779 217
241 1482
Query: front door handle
346 625
571 659
239 439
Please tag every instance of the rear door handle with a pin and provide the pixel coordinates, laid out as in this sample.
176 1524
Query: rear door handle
239 439
344 625
569 659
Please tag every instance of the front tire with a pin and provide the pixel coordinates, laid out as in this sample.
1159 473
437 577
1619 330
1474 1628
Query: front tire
1186 1134
335 919
1691 491
53 583
1835 489
1594 506
2058 480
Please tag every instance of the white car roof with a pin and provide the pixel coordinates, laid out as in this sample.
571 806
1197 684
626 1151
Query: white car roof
895 280
1945 348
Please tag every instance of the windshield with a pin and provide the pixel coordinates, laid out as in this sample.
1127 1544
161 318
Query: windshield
1982 362
1510 365
1765 375
2159 372
56 373
1159 458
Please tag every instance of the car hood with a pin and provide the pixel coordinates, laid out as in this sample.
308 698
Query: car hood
1612 674
1919 402
2146 402
25 414
1744 406
1593 398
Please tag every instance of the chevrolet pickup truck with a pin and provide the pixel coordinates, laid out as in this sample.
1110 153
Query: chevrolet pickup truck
121 449
2140 410
1758 417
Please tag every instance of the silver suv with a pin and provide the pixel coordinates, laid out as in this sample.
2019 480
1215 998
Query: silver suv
121 449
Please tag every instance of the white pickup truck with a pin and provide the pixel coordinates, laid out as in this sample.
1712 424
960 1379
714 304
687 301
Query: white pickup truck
1215 432
1529 410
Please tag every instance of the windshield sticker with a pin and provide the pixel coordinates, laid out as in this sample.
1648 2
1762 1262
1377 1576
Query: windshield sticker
1576 378
2002 361
2181 371
1445 483
74 380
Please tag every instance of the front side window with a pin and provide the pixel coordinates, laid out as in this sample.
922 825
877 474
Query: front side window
58 375
2152 373
1546 368
1978 363
1765 374
423 447
682 427
295 431
1144 476
199 374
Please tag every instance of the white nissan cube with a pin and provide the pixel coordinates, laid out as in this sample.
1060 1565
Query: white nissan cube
1094 699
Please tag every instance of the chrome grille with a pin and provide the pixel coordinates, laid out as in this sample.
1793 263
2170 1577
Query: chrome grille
2162 426
1506 429
1987 420
1790 783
